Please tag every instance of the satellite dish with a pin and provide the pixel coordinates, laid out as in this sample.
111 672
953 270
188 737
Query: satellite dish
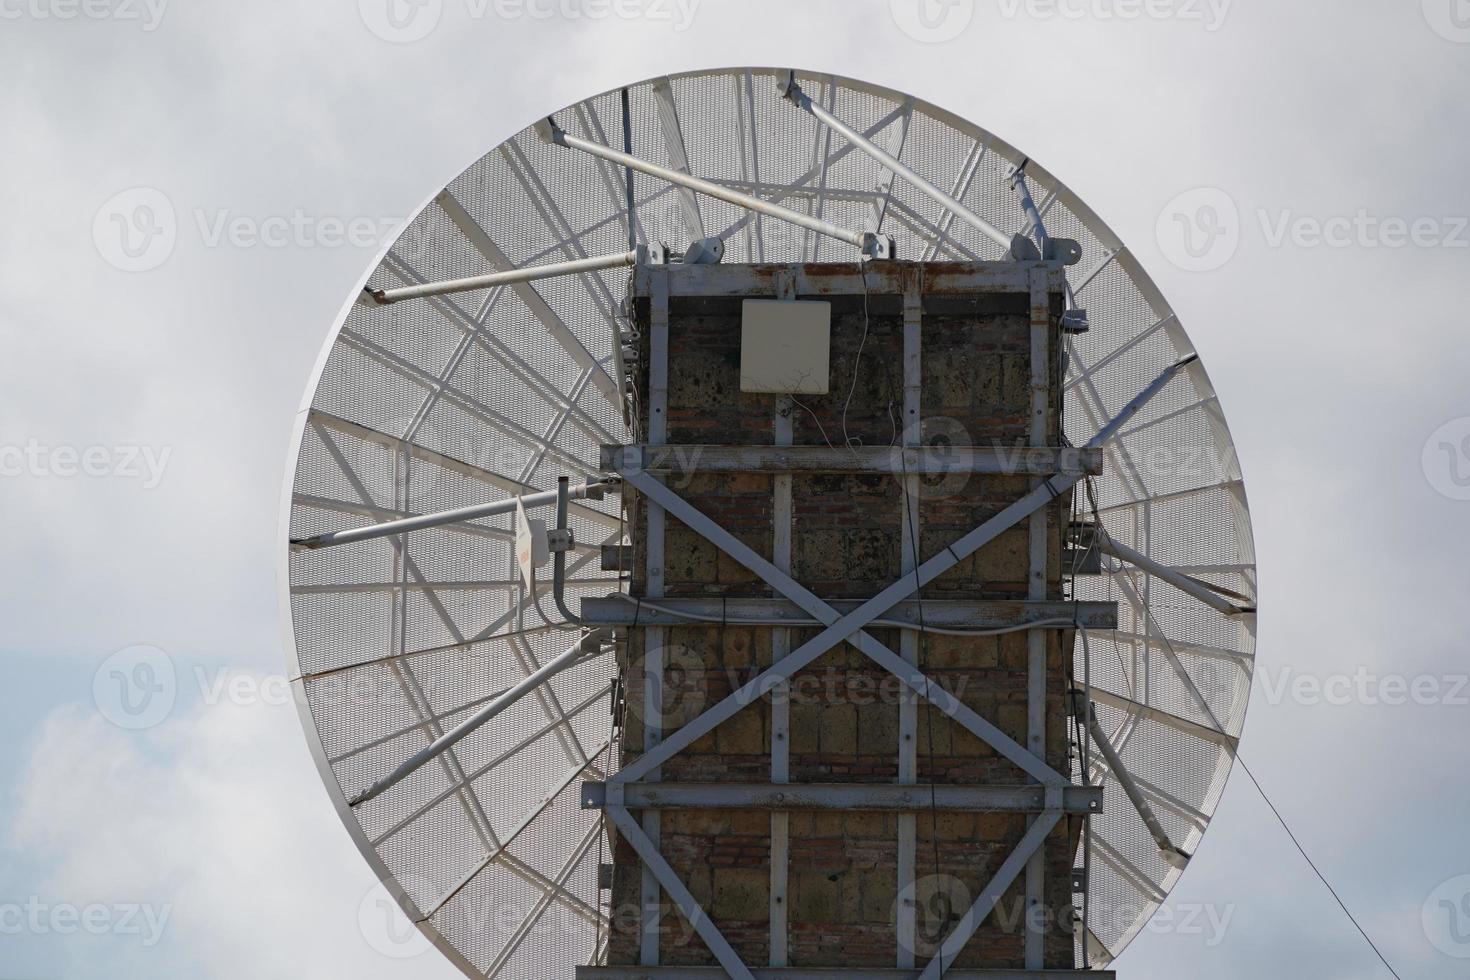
453 715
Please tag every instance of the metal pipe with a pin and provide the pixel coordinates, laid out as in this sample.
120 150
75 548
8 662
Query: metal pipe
1170 853
1141 399
1028 206
559 559
628 171
569 658
1184 583
788 87
866 241
509 277
421 521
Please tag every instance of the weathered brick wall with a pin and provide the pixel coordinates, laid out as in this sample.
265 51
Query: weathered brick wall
844 711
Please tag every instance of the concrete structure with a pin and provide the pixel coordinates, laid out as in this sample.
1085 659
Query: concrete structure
960 362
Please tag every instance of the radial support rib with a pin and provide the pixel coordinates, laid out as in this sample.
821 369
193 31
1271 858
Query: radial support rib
564 336
570 658
1170 853
1165 718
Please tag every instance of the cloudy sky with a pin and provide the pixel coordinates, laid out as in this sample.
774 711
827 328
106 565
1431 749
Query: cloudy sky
146 398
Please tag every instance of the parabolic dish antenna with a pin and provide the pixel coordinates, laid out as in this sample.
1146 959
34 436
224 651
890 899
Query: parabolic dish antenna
451 709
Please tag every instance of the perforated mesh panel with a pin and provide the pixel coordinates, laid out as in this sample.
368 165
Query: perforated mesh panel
433 404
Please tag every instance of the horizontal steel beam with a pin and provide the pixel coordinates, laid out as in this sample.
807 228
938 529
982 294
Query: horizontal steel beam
823 973
910 461
491 280
841 279
844 796
938 613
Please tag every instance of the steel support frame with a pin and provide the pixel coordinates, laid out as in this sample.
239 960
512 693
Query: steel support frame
840 627
821 973
782 430
884 797
910 459
999 615
1036 590
908 705
849 627
653 648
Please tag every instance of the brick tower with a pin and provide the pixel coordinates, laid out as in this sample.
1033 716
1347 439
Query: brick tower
816 812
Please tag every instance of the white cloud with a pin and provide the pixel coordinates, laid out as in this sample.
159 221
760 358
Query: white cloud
217 822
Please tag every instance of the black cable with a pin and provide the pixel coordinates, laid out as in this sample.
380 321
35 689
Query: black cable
1315 870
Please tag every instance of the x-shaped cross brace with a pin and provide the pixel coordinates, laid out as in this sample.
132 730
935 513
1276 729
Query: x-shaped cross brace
838 629
850 628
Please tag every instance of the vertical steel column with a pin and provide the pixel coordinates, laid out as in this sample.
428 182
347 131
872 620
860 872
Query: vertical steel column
781 693
1036 583
908 705
654 636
